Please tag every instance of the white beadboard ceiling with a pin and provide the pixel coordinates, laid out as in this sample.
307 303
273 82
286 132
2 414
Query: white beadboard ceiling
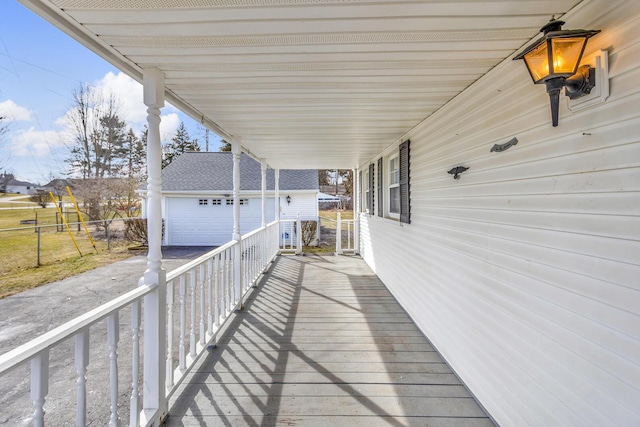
306 83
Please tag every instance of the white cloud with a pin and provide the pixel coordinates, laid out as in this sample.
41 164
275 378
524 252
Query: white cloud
32 142
133 110
13 112
168 125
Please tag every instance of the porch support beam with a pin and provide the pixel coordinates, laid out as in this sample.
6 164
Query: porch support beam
236 149
277 194
263 170
154 402
355 198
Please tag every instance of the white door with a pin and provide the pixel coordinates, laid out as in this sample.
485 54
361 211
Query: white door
207 221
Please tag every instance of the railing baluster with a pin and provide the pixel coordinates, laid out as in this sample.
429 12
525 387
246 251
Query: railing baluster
203 278
228 282
39 386
82 361
192 333
113 337
183 324
134 402
216 287
169 362
234 290
210 300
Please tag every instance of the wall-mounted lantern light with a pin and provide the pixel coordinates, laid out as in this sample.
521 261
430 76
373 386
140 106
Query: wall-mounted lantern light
288 200
554 58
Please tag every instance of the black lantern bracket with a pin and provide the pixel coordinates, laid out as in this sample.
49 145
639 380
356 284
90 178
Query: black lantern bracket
599 63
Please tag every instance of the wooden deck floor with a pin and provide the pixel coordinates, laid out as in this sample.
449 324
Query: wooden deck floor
321 342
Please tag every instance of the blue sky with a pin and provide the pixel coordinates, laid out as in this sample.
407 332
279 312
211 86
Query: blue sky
39 68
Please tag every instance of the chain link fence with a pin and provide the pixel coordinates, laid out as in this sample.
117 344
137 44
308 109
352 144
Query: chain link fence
43 244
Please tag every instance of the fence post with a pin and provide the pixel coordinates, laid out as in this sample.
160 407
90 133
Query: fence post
108 235
339 234
38 230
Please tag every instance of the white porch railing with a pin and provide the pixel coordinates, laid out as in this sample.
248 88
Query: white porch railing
344 235
290 237
200 297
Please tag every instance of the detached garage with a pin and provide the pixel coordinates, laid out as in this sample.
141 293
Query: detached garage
197 197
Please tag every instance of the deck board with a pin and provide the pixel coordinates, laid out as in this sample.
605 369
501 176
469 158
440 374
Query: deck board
321 342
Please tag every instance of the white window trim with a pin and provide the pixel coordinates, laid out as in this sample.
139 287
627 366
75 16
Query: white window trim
389 185
365 190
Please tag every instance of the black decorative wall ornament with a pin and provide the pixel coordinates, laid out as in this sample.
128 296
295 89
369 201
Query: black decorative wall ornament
457 171
504 147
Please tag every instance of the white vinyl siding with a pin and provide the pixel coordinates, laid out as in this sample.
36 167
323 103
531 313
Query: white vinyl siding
305 204
524 272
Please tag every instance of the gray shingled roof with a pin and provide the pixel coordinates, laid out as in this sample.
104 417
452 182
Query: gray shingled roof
207 171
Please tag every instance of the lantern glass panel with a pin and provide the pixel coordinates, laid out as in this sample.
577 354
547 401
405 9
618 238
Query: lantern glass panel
538 62
566 54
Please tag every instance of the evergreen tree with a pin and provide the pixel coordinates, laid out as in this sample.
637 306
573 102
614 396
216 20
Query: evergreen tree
225 146
179 144
134 156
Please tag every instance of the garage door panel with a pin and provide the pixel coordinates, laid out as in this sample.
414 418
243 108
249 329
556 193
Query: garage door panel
190 223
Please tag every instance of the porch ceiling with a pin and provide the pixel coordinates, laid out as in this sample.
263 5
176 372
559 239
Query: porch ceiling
306 83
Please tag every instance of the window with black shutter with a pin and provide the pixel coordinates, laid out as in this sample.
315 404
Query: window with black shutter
405 184
372 197
380 198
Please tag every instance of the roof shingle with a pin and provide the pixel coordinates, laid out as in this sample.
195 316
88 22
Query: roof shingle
213 171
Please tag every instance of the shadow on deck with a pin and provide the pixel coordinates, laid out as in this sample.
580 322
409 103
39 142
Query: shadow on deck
322 342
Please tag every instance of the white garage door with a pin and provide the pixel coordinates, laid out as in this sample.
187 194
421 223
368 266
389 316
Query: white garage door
208 221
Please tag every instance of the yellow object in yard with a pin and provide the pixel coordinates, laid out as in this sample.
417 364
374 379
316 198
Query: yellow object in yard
75 205
65 222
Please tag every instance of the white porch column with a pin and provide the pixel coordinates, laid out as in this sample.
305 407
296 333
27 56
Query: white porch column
355 197
263 169
154 403
277 193
237 264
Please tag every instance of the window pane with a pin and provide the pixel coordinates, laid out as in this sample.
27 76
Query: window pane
394 200
394 173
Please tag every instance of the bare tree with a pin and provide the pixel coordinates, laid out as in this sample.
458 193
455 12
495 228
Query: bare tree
41 198
324 176
5 179
346 176
96 148
84 117
105 199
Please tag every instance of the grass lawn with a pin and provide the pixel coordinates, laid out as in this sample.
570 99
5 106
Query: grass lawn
333 214
59 257
10 218
31 277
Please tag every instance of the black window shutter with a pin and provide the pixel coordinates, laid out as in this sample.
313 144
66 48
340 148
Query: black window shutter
360 191
405 185
372 197
380 198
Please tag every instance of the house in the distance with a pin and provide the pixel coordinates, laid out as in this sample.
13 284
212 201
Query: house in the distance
197 197
8 184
